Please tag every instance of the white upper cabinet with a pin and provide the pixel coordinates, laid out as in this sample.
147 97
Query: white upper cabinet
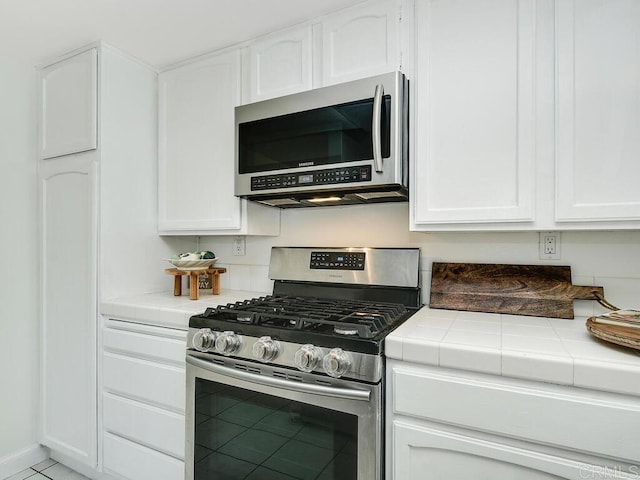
280 64
196 152
360 41
353 43
526 115
598 111
473 100
68 105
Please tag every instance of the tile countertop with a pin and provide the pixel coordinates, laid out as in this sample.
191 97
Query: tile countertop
166 310
541 349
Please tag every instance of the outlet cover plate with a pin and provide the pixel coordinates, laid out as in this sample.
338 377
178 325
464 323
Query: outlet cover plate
549 246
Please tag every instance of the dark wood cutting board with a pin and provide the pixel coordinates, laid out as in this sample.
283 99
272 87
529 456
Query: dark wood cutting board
535 290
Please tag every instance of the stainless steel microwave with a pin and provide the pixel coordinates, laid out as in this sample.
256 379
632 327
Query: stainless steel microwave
336 145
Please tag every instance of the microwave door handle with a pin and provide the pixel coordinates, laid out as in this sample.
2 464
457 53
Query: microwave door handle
376 126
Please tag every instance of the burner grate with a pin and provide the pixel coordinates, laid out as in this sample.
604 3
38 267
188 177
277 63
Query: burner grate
360 318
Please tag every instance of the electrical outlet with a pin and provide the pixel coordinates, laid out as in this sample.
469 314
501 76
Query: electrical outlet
549 244
239 247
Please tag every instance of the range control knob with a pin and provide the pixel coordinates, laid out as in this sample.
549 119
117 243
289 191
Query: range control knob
336 362
266 349
307 357
228 343
204 340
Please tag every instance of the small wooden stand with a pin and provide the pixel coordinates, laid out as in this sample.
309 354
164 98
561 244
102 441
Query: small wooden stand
193 276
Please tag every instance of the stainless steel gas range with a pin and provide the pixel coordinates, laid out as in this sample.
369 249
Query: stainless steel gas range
290 385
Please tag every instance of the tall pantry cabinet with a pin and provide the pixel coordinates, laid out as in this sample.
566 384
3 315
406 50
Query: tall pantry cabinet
96 188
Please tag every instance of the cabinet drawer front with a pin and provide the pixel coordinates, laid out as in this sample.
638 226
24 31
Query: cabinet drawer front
161 385
150 426
144 341
135 462
596 422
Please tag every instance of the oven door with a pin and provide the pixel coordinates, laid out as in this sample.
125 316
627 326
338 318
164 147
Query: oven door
248 421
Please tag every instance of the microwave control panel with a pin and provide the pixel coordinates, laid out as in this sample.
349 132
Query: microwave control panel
330 176
337 260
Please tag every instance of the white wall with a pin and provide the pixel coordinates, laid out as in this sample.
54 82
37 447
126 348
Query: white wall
610 259
18 244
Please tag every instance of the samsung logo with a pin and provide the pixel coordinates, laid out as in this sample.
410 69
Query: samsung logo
335 276
305 164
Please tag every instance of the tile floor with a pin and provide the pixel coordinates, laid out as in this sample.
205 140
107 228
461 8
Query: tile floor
47 470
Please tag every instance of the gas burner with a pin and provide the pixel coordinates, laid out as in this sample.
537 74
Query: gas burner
345 330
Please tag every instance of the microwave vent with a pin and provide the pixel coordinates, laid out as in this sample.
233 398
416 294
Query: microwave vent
280 202
374 195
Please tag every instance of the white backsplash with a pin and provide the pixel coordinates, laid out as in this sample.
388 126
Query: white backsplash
609 259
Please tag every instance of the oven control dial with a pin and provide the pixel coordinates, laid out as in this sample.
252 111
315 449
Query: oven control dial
307 357
228 343
336 362
204 340
266 349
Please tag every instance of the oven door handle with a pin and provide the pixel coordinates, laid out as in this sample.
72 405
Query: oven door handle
345 393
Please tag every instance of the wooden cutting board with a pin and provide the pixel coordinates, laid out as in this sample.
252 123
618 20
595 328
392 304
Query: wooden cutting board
535 290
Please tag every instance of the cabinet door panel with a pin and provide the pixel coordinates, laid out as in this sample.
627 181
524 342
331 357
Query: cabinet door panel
598 110
447 455
360 42
68 227
196 154
474 120
69 105
280 64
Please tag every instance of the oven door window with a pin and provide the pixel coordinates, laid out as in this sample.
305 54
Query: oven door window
240 434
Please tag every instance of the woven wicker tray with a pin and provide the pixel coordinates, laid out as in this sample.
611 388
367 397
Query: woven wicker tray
612 328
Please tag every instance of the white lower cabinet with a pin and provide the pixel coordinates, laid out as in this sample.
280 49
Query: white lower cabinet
143 401
444 424
436 453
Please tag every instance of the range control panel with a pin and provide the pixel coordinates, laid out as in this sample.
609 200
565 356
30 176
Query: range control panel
337 260
316 177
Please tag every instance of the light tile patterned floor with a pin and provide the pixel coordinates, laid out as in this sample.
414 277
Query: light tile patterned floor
47 470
